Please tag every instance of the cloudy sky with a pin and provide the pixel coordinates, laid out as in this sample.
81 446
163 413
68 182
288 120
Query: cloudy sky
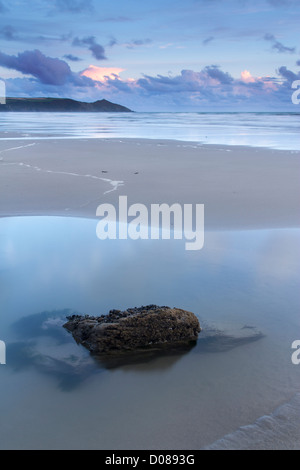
163 55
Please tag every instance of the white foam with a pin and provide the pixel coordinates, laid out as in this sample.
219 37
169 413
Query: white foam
278 431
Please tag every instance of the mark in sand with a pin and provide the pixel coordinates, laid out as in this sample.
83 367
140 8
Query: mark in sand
15 148
115 184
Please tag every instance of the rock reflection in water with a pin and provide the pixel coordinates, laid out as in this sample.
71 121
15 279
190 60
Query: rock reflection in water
146 356
50 350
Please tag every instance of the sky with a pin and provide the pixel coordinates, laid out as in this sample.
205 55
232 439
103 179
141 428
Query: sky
163 55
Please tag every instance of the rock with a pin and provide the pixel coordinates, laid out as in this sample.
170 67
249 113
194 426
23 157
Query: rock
134 329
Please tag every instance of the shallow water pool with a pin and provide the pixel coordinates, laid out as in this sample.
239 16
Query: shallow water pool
244 288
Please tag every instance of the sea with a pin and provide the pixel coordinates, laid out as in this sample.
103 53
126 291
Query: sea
237 388
272 130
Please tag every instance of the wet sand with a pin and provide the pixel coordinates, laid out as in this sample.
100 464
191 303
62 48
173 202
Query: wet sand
241 187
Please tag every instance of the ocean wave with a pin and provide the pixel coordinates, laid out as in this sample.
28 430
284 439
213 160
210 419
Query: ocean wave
278 431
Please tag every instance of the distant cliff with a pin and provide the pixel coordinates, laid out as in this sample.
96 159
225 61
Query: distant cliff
60 105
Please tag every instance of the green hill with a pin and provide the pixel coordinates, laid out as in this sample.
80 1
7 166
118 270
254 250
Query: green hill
60 105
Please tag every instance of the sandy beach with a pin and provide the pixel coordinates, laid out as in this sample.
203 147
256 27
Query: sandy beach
241 187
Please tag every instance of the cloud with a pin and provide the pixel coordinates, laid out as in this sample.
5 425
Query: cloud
137 43
247 77
112 42
115 83
141 42
208 89
132 44
212 88
75 87
96 49
72 58
281 48
298 62
278 46
214 71
207 40
46 69
74 6
8 32
204 82
288 74
101 73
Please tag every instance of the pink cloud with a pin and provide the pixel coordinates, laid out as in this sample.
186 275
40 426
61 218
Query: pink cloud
247 77
101 74
268 84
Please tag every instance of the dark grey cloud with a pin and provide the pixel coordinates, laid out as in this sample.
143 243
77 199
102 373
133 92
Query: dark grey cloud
138 42
117 83
132 44
213 71
72 58
96 49
288 74
112 42
187 81
74 6
81 81
75 87
162 84
207 40
141 42
65 37
8 33
278 46
47 70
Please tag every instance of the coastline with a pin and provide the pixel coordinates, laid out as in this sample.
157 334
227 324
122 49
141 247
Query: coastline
241 187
